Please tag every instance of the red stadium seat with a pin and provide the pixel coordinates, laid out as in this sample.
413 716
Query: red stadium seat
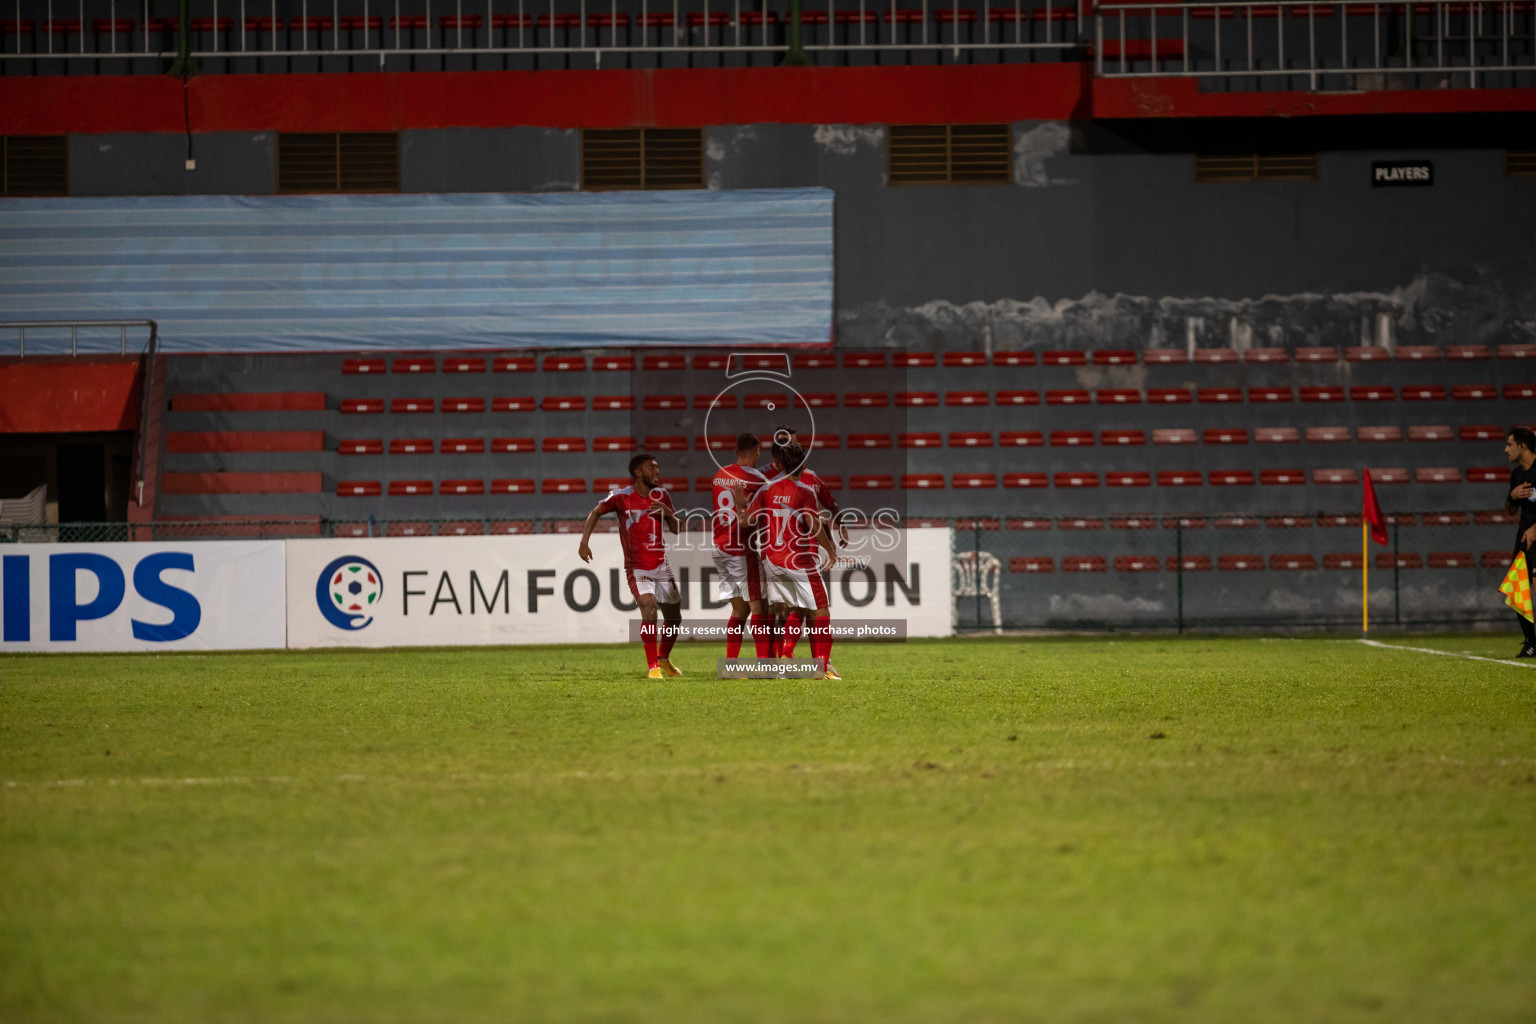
520 486
564 364
1021 439
1063 357
665 443
1164 356
1215 355
970 439
1220 395
563 444
914 360
676 484
932 440
1027 523
1386 560
1168 396
513 364
463 364
672 362
1018 398
1384 434
1474 392
410 405
1315 354
1335 476
564 403
921 481
1423 393
1282 477
1487 474
1371 393
1322 394
398 488
965 359
609 484
1417 353
814 361
1265 355
415 364
1481 432
1517 391
707 442
564 485
656 403
816 400
1134 523
362 366
411 446
1289 522
1517 350
819 442
869 440
705 403
624 444
1342 561
462 446
1189 563
1494 518
468 528
613 364
363 447
1013 359
1079 563
973 480
461 487
1071 438
1431 433
871 482
1240 563
1270 395
1080 524
1231 478
1118 396
1123 478
1068 396
768 401
1326 435
711 361
1122 437
1366 354
359 488
1276 435
965 398
1076 480
1178 478
916 398
1178 435
1031 563
1137 563
1113 357
1231 435
1236 523
1389 475
1302 562
1445 519
864 360
509 445
1495 560
521 403
1437 475
1452 560
1025 480
1338 520
865 400
463 405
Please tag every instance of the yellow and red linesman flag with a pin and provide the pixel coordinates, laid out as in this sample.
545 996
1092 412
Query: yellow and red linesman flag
1516 587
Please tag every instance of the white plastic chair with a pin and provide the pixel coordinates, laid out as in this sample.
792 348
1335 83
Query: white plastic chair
977 574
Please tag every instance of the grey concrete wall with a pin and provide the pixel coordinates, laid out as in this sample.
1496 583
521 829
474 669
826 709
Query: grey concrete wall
228 163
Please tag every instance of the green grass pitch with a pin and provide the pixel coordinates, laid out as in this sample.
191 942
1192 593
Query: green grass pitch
1088 829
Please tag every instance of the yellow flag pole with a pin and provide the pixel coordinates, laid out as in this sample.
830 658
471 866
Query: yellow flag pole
1365 576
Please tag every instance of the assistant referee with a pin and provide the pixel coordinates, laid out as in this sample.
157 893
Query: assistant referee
1520 449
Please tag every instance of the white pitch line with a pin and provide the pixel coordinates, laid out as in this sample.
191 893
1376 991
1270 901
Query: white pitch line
1447 654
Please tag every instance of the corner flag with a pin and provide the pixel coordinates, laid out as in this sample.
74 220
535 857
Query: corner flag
1373 527
1372 514
1516 587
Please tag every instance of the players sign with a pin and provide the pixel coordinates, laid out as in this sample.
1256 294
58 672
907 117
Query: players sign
533 589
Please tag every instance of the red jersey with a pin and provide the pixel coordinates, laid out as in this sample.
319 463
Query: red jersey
787 510
727 528
823 493
639 527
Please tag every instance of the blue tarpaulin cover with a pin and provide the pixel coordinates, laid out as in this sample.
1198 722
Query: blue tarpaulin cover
247 273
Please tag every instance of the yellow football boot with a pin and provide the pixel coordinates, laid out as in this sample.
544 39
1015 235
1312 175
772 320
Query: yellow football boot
655 673
668 668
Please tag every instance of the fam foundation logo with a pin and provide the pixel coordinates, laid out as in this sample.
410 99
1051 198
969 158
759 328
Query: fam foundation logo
348 591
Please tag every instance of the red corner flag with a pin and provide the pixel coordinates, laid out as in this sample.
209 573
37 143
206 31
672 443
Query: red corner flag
1372 514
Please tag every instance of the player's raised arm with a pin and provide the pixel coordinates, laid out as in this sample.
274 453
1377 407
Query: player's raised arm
584 550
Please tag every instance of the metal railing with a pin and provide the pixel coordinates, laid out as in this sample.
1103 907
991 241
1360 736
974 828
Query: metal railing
412 29
1332 46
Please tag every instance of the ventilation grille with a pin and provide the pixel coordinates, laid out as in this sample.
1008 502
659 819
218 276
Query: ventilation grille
338 162
1520 163
34 165
948 154
642 158
1254 167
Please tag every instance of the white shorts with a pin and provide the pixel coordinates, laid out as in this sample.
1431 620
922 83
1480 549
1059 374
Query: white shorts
739 577
658 582
798 588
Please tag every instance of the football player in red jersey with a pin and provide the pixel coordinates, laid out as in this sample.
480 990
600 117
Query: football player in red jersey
830 512
793 538
642 508
735 560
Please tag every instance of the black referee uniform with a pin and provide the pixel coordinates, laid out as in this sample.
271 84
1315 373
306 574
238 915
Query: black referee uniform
1527 510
